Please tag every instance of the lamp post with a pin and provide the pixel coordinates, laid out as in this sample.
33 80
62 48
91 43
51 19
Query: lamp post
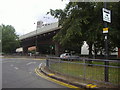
35 42
46 18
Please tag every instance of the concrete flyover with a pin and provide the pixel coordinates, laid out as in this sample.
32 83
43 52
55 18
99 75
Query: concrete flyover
42 38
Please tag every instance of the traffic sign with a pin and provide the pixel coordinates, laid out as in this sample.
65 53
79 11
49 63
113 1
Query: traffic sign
106 15
105 30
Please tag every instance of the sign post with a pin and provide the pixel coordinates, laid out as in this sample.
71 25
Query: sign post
106 18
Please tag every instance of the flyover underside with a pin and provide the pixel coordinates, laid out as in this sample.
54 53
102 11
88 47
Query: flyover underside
44 43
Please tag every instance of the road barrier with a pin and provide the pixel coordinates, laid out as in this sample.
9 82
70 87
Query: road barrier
93 70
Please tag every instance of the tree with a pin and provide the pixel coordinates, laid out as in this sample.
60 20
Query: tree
78 24
114 31
83 22
94 32
10 40
71 20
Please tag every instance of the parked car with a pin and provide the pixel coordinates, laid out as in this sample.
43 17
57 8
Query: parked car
2 53
68 56
65 55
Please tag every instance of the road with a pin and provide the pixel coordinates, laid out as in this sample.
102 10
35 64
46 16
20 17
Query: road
20 73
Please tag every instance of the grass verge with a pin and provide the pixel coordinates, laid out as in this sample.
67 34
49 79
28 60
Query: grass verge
86 72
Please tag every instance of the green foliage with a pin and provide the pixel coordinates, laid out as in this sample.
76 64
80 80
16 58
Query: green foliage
115 25
9 39
83 22
76 69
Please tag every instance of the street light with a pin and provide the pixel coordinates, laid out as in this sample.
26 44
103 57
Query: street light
51 47
35 42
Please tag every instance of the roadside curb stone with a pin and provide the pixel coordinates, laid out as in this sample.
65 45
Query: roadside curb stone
78 84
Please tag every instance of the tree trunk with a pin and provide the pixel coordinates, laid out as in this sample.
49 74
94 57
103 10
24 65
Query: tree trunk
101 54
96 53
80 50
90 50
90 54
118 52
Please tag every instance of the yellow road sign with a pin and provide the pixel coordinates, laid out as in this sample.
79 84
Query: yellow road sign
105 30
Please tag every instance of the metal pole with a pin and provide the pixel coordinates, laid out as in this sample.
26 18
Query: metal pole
106 73
47 62
36 43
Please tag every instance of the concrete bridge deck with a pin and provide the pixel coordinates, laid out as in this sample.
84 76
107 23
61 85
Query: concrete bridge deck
50 27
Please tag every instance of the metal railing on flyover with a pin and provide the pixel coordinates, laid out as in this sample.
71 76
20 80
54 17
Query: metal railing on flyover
87 69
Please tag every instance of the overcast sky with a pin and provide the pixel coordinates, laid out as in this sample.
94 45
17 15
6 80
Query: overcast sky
22 14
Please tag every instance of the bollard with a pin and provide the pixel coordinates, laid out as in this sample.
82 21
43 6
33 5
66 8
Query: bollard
47 63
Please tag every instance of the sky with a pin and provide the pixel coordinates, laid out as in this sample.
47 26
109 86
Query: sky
23 14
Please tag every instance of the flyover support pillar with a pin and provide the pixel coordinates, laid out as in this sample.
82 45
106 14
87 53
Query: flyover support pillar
25 50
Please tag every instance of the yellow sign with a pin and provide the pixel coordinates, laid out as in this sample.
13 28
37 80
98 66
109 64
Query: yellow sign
105 30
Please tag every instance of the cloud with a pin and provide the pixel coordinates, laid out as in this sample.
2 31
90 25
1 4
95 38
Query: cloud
22 14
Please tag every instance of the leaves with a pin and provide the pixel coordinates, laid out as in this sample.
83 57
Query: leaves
9 39
83 22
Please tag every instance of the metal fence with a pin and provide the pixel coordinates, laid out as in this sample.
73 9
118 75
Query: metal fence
98 70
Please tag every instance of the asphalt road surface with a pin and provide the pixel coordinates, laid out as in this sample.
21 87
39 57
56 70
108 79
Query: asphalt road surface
20 73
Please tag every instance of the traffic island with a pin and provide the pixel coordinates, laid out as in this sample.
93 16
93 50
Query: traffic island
95 73
66 79
75 81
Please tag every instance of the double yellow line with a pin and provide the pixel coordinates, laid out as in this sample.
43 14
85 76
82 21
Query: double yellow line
54 80
91 86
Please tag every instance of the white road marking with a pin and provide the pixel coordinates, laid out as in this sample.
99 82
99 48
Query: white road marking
11 65
40 65
30 72
30 63
16 68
